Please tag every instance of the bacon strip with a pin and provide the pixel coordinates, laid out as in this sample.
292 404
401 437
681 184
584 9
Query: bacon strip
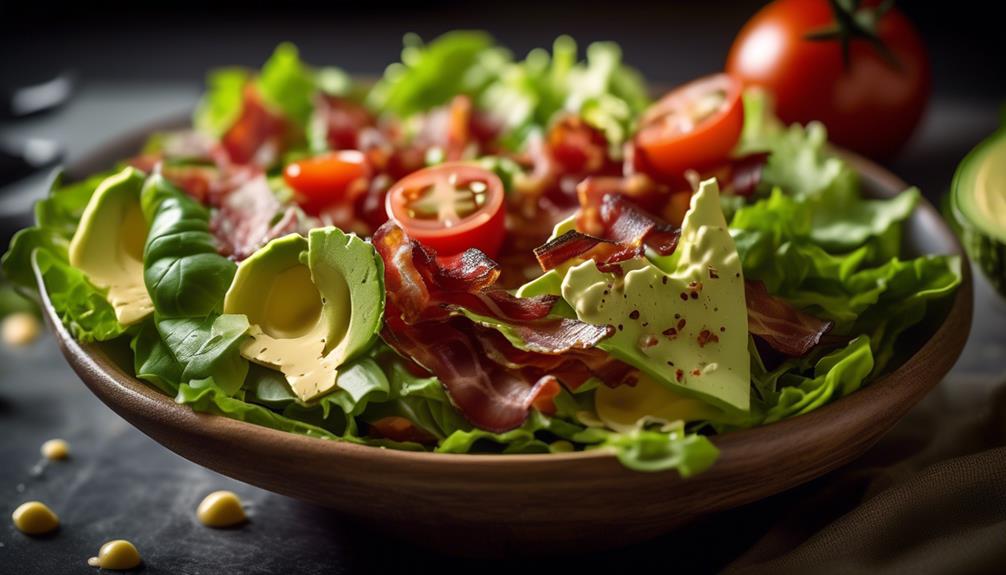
474 363
783 327
622 230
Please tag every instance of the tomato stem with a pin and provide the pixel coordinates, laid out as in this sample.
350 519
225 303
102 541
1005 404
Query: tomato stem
854 22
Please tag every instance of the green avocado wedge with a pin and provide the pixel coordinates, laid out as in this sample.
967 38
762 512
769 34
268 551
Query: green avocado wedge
108 245
978 204
680 319
312 303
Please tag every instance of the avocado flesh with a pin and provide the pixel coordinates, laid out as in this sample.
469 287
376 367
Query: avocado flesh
978 203
680 319
313 304
623 408
108 245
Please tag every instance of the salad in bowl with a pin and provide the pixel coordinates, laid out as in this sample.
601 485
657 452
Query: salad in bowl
479 253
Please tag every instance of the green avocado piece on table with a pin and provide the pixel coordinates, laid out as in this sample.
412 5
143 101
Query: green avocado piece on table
680 319
313 304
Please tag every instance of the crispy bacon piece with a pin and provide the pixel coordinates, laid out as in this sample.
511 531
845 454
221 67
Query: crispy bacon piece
783 327
574 244
475 363
257 135
488 395
621 228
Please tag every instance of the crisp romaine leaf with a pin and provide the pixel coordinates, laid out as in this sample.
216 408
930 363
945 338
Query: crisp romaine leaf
208 347
184 274
853 225
605 93
457 62
81 307
288 84
220 105
644 450
836 375
153 361
421 400
358 384
206 396
532 437
799 161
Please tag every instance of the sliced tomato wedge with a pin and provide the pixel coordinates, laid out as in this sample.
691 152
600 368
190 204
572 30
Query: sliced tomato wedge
450 208
694 127
323 180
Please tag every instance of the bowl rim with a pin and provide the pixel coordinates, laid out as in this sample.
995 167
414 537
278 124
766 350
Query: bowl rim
93 365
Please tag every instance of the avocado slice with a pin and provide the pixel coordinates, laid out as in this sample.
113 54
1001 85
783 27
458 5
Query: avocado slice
978 203
108 245
313 304
680 319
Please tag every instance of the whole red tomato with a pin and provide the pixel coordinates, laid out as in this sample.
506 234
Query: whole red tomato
869 89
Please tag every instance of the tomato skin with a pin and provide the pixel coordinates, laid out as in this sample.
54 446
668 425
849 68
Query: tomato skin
320 181
709 143
483 229
871 108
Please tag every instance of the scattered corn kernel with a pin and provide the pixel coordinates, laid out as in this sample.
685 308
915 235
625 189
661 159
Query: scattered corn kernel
35 518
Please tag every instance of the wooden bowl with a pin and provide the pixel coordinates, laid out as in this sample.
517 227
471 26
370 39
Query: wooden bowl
538 504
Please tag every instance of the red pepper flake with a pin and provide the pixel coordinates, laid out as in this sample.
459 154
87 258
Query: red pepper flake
670 332
713 274
678 375
677 316
684 296
722 328
634 314
681 324
696 372
670 363
620 327
695 295
647 341
663 280
706 336
630 380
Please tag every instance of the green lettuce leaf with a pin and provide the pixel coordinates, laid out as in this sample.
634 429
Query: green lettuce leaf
421 400
605 93
836 375
81 306
206 396
208 347
651 451
184 273
220 105
286 83
458 62
359 383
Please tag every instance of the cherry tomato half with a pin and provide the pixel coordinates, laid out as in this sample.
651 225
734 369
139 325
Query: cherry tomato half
450 208
694 127
870 103
323 180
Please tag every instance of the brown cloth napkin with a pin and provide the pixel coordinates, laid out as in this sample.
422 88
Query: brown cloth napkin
930 497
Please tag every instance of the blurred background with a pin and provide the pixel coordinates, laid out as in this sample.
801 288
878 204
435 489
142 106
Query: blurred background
669 41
